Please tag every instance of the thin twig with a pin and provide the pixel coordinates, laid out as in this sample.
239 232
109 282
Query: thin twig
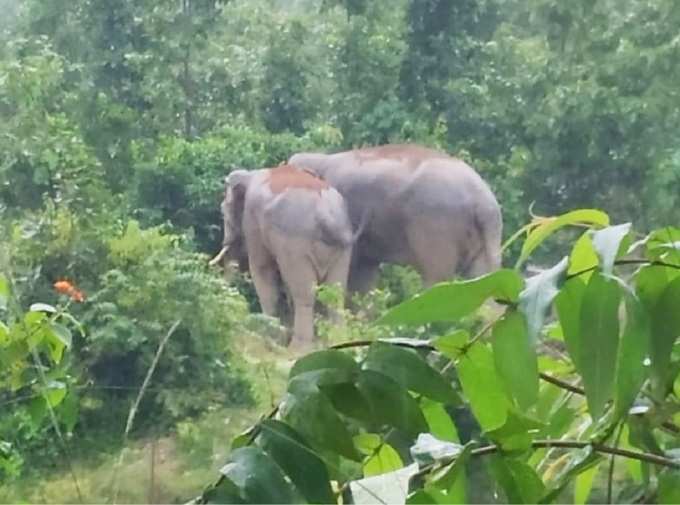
566 444
135 406
634 261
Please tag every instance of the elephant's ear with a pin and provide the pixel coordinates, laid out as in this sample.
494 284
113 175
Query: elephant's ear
238 180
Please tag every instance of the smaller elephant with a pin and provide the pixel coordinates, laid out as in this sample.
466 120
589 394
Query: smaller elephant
290 229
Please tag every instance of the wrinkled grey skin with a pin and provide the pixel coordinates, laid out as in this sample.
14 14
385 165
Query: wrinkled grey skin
426 209
292 240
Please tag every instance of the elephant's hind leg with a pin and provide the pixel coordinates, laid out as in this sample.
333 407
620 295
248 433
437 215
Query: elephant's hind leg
300 278
432 246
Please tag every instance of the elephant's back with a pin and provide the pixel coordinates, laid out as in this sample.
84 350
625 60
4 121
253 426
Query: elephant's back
310 214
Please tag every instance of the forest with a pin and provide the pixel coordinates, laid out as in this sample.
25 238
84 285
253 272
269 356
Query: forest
134 371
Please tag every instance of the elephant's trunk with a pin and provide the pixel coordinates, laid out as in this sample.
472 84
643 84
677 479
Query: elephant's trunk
219 256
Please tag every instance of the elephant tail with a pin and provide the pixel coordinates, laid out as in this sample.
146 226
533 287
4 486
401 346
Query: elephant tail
365 217
489 224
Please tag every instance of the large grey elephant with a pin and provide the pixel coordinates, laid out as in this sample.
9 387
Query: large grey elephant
425 209
293 232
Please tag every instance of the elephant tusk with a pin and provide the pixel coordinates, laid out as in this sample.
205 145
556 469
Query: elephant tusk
219 256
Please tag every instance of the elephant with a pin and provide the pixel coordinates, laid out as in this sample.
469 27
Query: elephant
291 230
426 209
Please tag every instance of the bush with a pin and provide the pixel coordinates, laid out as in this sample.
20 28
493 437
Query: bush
182 182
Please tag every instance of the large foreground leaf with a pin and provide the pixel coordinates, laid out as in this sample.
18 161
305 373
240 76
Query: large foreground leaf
598 341
410 370
515 359
297 459
631 371
451 301
257 478
390 404
482 387
666 329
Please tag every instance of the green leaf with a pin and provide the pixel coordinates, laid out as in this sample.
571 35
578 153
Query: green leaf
669 486
451 301
348 400
608 242
452 478
550 226
325 359
665 331
257 477
55 392
452 345
583 484
515 359
62 333
4 334
4 292
517 433
309 411
367 443
482 387
650 283
631 371
583 258
519 481
390 404
599 341
291 452
538 295
439 421
384 460
410 370
568 304
224 491
68 410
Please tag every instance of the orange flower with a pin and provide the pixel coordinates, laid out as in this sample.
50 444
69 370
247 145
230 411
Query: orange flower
66 288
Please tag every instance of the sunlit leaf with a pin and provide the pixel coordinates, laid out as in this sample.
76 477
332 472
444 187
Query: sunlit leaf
583 258
482 387
669 486
384 460
583 484
540 233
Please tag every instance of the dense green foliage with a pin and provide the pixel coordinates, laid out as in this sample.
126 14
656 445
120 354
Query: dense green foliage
381 424
119 120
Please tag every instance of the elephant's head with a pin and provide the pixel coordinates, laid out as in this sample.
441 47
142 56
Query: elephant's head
234 245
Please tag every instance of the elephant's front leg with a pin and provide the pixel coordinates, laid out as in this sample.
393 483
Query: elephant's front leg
265 279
